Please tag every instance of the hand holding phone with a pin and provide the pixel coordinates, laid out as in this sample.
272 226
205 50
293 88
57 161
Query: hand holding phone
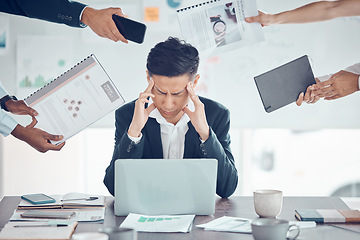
38 198
130 29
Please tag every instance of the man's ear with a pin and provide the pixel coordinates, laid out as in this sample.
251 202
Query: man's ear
196 80
147 76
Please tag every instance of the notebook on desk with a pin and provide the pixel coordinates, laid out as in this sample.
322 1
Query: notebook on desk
165 186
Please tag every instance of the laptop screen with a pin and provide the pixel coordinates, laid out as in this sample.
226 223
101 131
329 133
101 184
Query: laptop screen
165 186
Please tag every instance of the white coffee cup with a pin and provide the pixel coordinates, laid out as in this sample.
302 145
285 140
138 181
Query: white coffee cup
273 229
90 236
268 203
119 233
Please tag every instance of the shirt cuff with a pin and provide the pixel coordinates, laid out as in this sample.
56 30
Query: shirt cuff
324 78
7 124
136 140
83 25
3 92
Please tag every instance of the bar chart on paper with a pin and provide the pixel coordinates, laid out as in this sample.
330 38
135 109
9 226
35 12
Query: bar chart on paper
143 219
160 223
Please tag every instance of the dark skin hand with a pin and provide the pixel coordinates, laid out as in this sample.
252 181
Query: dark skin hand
36 138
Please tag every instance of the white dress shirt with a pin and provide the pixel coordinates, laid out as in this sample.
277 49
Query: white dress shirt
354 69
7 123
172 136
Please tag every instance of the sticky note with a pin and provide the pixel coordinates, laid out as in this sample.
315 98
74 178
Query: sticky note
151 14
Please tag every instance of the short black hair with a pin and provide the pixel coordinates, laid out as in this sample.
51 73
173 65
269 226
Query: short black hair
173 58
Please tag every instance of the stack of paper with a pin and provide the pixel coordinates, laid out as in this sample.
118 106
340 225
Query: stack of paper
87 208
160 223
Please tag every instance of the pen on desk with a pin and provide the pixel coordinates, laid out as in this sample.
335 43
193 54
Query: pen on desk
48 225
74 199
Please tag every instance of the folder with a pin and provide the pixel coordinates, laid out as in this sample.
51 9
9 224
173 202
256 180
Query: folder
328 215
282 85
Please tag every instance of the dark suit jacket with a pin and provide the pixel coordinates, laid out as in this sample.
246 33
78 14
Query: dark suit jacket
216 146
57 11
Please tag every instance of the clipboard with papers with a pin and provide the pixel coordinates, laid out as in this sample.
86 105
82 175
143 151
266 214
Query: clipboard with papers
282 85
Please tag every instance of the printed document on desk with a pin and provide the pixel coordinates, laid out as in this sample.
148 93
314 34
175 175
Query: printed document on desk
218 26
228 224
76 99
41 230
159 223
240 225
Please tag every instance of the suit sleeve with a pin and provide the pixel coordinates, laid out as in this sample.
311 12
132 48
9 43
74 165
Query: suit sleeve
57 11
218 146
124 148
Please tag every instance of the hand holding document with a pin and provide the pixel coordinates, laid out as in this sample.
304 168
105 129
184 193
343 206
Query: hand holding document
218 26
160 223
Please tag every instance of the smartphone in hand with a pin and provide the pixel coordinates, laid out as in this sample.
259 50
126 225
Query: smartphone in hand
38 198
130 29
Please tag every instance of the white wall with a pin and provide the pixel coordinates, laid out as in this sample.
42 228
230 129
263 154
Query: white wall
332 45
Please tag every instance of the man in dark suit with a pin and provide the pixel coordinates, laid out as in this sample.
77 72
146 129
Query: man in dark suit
67 12
169 120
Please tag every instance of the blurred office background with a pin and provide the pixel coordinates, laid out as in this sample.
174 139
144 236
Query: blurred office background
307 150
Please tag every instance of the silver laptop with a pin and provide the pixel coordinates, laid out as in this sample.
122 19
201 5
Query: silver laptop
165 186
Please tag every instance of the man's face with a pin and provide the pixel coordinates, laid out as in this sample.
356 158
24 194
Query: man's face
171 96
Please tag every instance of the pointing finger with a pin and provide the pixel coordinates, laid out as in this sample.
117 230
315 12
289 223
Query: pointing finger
194 98
150 86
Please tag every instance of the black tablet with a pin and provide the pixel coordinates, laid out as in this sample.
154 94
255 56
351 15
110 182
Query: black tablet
282 85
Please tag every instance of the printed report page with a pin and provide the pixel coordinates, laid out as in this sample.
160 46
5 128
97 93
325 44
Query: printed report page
80 99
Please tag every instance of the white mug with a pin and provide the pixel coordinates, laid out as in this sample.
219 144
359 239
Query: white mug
273 229
90 236
268 203
116 233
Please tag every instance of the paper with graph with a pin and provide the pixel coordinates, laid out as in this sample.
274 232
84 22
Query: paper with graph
160 223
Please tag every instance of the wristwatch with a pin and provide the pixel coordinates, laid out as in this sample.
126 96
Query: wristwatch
5 99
